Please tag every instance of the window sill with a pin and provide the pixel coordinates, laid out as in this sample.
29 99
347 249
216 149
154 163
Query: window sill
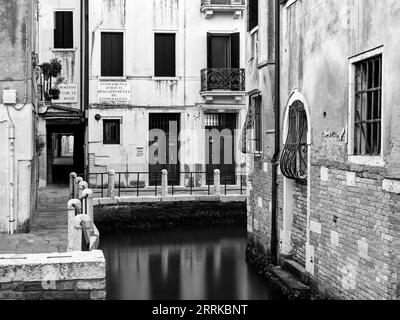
63 50
112 78
165 78
367 161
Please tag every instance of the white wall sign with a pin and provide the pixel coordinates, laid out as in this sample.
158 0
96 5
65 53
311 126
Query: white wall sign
68 93
140 152
113 91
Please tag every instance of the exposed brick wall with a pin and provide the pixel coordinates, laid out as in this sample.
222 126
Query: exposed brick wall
356 253
354 223
299 231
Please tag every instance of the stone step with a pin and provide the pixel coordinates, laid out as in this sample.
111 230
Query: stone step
291 286
296 269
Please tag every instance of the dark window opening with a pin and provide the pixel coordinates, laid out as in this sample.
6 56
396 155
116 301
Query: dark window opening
251 139
112 54
165 55
368 107
63 30
111 131
252 12
294 158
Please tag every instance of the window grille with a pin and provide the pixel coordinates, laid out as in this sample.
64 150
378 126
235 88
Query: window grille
368 107
294 158
111 131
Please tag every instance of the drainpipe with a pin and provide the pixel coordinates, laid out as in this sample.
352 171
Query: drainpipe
275 159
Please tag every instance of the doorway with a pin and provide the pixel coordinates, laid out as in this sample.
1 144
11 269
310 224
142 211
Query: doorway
65 152
164 147
220 146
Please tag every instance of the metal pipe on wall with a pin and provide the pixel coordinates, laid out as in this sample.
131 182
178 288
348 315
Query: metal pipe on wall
275 159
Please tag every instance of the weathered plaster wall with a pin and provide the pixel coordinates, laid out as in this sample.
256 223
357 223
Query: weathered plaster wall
353 227
70 58
140 20
15 74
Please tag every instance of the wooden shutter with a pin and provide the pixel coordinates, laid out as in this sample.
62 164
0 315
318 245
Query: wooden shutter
209 51
165 55
63 30
68 30
112 54
235 50
58 29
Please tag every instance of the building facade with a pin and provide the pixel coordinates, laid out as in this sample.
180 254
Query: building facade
161 73
338 220
17 115
61 126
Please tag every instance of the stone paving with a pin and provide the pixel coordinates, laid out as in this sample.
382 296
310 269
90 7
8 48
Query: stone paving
48 227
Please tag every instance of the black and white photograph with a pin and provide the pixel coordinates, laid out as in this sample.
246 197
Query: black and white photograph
199 156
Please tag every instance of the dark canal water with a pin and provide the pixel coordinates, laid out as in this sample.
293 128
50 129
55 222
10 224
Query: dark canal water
181 264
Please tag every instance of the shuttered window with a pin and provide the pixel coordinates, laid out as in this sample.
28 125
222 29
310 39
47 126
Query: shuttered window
63 30
252 14
111 132
165 55
112 54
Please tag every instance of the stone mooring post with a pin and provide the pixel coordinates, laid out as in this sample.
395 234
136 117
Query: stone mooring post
217 182
164 183
72 177
88 193
72 204
111 184
78 180
83 185
80 222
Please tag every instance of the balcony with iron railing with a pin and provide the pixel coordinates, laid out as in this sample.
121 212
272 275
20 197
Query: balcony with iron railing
237 7
223 82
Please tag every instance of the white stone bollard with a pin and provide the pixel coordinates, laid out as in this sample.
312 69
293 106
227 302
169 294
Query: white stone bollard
111 184
83 185
78 180
72 177
89 204
164 183
71 216
217 182
81 221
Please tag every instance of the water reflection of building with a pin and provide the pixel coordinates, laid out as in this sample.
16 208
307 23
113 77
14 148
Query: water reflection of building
181 270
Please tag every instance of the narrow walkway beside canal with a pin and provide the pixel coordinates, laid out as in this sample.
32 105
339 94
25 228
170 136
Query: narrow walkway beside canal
48 228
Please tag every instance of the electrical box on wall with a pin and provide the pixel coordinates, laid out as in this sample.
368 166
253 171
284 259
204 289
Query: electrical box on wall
9 96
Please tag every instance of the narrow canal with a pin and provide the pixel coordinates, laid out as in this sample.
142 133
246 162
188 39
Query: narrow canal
181 264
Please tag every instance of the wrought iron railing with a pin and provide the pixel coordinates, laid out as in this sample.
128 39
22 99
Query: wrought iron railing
223 79
222 2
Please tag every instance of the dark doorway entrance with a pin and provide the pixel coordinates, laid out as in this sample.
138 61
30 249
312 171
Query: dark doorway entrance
220 146
65 152
164 147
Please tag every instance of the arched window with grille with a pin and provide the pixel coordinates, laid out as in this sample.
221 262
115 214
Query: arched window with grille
294 158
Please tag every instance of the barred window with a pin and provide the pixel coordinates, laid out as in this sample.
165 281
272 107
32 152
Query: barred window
294 158
111 132
257 124
368 107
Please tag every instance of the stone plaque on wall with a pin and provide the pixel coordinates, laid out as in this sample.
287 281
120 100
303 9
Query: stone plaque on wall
113 91
68 93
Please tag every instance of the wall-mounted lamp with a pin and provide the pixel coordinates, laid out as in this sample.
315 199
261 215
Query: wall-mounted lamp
97 117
